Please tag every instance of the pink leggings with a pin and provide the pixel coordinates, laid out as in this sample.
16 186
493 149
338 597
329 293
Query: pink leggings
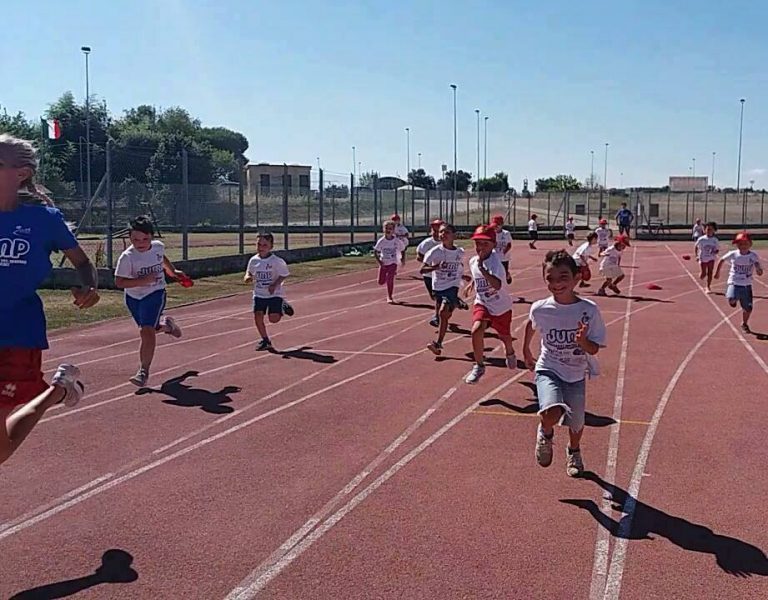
387 275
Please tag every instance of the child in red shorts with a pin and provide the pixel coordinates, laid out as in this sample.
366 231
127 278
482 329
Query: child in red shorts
493 304
28 235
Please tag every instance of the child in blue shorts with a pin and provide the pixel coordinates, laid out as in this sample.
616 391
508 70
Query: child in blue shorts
140 271
743 262
572 331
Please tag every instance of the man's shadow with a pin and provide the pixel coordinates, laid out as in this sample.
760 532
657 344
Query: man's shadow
190 397
733 556
115 568
304 353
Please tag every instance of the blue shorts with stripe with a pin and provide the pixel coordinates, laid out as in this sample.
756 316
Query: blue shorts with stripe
147 311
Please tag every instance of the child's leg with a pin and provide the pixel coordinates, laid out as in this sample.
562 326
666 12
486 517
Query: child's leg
148 336
575 396
390 277
382 275
703 272
258 319
21 423
710 273
478 342
746 306
445 317
509 347
607 283
618 280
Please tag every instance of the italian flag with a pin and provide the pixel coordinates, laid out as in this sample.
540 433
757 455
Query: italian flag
52 128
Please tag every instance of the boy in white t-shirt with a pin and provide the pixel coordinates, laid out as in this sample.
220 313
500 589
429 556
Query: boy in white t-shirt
267 272
570 230
572 331
140 271
610 266
698 230
445 263
503 244
582 256
706 249
743 262
533 231
493 304
402 234
387 251
421 251
604 235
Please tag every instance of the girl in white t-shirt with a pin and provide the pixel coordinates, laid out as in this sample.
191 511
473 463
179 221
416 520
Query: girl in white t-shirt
421 251
267 271
387 252
582 256
698 230
503 244
743 262
610 266
403 235
140 271
533 231
604 235
706 249
570 231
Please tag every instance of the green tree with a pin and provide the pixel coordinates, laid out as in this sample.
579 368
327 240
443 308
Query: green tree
420 178
560 183
366 179
18 126
498 183
463 181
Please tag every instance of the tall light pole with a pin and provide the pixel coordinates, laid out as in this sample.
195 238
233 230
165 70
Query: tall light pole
455 153
485 151
408 152
713 171
694 166
477 112
605 169
419 160
592 171
86 50
354 162
741 130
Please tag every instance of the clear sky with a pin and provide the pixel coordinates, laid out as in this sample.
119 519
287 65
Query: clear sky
659 80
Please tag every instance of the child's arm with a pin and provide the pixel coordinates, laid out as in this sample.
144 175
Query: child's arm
377 256
759 268
87 295
271 289
717 269
530 361
584 343
492 280
170 269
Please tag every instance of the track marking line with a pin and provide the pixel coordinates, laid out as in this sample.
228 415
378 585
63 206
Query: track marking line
509 413
358 353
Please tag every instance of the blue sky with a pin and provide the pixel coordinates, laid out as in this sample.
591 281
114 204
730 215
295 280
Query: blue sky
660 81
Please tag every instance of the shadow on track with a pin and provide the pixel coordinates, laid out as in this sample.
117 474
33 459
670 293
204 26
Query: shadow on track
590 419
190 397
304 353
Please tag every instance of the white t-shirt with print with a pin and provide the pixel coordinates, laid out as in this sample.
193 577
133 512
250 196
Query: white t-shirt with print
449 275
603 235
742 266
611 257
698 231
582 253
570 227
401 233
426 245
503 240
708 248
265 272
533 225
389 249
557 325
133 264
496 301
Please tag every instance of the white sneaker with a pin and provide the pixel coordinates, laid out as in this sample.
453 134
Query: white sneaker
543 449
172 328
475 374
140 379
68 377
512 361
574 465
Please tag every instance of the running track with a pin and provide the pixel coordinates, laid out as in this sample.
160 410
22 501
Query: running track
358 466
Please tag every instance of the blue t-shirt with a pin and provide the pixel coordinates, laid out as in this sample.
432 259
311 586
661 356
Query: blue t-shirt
28 235
624 216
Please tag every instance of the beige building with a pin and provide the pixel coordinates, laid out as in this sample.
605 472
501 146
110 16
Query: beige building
264 178
688 184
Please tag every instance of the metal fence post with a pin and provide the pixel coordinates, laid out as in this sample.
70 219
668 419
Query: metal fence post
351 208
109 202
762 205
285 206
413 211
185 209
320 211
706 204
241 207
375 204
725 198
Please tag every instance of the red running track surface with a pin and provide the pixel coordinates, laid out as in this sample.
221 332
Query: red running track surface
354 464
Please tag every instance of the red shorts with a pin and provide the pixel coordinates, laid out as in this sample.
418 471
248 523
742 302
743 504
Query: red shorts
21 376
501 323
586 274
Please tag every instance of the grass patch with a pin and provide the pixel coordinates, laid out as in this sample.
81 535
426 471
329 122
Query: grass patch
60 312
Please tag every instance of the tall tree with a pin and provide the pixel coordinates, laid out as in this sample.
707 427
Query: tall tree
463 181
419 177
498 183
560 183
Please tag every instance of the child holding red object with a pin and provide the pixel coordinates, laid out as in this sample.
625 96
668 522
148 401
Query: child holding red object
387 252
582 256
610 266
743 261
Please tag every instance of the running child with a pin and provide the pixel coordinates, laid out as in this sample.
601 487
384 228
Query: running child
533 231
503 244
493 304
29 234
387 252
743 262
402 234
267 271
610 266
706 248
140 271
421 251
698 230
582 256
570 230
445 263
604 235
572 331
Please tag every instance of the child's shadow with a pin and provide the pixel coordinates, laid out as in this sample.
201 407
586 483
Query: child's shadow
115 568
189 397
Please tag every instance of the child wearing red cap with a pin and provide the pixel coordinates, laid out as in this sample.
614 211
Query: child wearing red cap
503 244
604 234
493 304
421 251
533 232
402 234
743 262
387 252
610 266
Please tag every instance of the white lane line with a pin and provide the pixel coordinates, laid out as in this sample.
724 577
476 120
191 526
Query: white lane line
356 353
602 541
249 588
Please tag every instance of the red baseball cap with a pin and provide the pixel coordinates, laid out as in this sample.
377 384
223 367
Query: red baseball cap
484 232
497 219
437 223
623 238
394 217
603 222
742 237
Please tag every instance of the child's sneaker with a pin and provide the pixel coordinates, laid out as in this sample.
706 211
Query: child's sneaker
435 322
574 466
745 328
172 328
288 309
615 289
140 379
462 305
264 344
475 374
512 361
435 348
543 448
68 377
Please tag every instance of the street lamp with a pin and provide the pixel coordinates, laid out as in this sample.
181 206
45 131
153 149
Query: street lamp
485 151
605 169
592 171
354 162
741 129
408 152
455 153
86 50
477 112
419 160
713 170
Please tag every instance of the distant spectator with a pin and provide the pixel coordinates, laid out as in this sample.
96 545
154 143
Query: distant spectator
624 219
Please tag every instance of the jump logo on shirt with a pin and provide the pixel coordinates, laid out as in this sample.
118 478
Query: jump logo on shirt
154 269
12 251
483 287
565 339
742 269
